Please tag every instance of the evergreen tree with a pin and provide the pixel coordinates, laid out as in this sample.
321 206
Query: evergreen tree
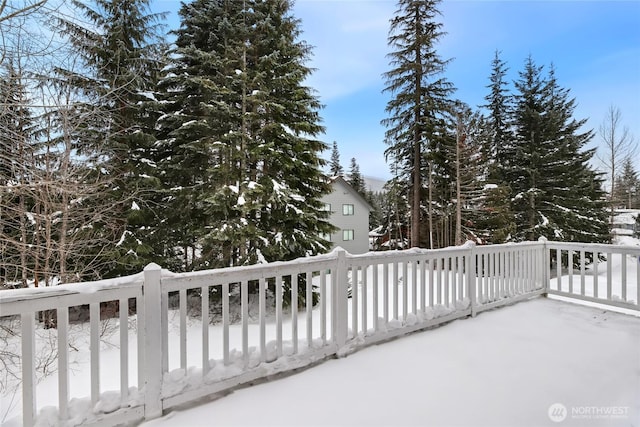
494 221
499 149
376 200
355 178
418 104
17 136
628 186
242 167
556 194
394 216
335 168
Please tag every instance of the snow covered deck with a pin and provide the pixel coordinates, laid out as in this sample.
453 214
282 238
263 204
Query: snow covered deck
484 365
505 367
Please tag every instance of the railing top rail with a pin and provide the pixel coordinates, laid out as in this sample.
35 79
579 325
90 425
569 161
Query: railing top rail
508 246
174 281
417 253
11 295
600 247
302 264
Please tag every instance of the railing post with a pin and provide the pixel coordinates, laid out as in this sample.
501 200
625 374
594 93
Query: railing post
340 296
471 277
546 265
152 297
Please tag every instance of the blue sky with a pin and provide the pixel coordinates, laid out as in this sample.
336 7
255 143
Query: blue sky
594 45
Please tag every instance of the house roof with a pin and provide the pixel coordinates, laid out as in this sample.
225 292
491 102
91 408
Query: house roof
340 180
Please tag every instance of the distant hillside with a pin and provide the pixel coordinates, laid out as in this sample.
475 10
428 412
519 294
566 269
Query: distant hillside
374 184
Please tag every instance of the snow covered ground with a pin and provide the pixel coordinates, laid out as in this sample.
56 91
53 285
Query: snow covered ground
506 367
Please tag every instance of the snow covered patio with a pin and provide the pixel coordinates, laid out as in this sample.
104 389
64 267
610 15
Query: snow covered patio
506 367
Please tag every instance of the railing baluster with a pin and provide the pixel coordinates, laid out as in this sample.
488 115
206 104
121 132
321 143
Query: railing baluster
504 283
183 329
596 261
354 300
414 287
225 323
423 284
460 269
609 267
140 330
164 329
385 289
365 300
204 304
531 270
491 275
395 285
94 346
123 308
279 303
294 311
472 283
623 258
62 314
309 308
431 282
439 278
405 290
559 269
570 269
27 326
374 308
262 310
244 307
582 272
446 269
323 306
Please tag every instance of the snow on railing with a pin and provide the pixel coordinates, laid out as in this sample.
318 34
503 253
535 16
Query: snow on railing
254 323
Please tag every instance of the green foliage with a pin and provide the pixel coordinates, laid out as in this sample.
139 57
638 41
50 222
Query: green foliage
417 108
627 191
237 138
335 168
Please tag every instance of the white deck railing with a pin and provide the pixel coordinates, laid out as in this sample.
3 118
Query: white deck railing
361 299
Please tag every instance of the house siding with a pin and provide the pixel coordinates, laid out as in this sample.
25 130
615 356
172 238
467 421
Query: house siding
343 194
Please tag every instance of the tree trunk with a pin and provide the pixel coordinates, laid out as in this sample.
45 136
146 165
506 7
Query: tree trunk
417 134
459 141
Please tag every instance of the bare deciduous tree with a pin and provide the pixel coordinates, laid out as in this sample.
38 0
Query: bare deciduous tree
619 145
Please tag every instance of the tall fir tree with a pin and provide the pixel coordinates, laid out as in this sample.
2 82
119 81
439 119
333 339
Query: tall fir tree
355 178
499 146
419 101
494 222
628 186
555 192
335 168
242 166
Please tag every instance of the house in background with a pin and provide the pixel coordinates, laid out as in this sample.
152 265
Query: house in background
626 222
350 215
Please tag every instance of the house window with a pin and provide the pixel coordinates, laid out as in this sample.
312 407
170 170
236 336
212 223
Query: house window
347 234
326 207
325 236
347 209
